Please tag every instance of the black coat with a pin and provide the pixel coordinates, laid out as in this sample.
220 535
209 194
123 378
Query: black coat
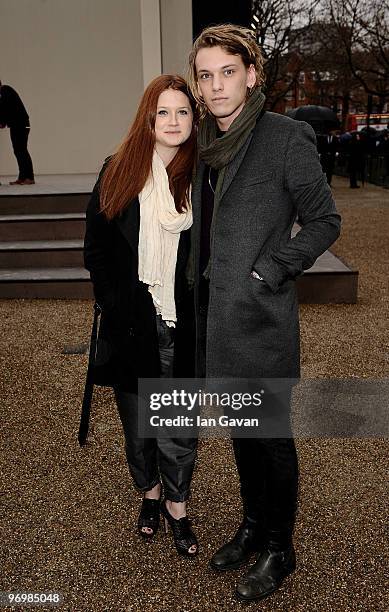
356 150
12 110
127 346
327 151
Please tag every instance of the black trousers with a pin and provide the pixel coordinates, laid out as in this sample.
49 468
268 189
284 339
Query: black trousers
328 169
268 474
353 177
151 460
267 467
329 173
19 138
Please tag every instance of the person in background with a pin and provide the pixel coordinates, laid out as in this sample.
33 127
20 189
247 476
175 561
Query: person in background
367 148
328 148
383 151
137 245
13 114
356 159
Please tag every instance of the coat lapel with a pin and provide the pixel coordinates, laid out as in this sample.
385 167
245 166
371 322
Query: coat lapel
196 189
196 208
128 224
234 165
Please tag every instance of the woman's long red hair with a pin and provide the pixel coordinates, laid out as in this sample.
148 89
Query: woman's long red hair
128 169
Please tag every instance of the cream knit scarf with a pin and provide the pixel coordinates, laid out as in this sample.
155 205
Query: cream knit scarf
159 234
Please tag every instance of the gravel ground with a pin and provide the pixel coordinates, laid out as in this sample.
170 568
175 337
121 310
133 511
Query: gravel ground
68 514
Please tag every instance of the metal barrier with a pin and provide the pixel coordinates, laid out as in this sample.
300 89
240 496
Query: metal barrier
376 169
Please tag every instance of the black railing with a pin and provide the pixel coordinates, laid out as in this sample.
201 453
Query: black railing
376 169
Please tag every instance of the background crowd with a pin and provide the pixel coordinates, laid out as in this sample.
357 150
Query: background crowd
357 154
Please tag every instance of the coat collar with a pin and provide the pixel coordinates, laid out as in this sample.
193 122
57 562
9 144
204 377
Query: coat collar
234 165
230 172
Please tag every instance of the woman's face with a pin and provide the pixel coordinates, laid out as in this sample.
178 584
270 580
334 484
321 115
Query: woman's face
173 122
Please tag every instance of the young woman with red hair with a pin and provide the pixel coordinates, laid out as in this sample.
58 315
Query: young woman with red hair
136 248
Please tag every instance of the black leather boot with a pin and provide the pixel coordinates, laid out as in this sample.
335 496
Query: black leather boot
276 561
238 551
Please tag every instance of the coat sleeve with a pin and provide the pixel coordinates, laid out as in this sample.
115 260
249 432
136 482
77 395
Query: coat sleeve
98 249
315 208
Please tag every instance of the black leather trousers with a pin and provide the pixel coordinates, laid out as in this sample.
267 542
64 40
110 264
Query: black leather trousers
268 473
151 460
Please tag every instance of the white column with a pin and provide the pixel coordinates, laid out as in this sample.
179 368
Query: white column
176 34
151 39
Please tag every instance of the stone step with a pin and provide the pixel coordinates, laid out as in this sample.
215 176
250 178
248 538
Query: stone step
57 283
42 226
62 283
328 281
51 266
41 254
43 203
328 287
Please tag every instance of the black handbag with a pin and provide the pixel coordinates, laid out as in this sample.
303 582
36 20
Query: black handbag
88 391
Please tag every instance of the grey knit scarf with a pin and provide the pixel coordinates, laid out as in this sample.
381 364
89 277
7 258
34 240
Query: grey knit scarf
218 152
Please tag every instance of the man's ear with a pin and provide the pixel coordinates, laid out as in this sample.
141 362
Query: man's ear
251 76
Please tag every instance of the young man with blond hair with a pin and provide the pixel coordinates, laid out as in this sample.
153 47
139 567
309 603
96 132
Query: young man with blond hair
258 171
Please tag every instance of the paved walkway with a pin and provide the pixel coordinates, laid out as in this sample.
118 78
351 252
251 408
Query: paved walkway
50 184
68 514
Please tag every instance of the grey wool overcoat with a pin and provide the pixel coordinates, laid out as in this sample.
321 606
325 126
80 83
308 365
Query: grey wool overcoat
253 327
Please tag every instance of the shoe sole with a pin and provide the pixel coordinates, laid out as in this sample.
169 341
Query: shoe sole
257 597
264 595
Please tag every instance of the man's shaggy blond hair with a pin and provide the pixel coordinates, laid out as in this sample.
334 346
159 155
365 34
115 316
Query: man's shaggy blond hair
233 39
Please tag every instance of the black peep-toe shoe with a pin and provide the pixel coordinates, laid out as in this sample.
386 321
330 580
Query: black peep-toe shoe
149 517
184 538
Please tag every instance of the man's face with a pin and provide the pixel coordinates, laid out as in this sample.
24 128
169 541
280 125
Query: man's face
222 81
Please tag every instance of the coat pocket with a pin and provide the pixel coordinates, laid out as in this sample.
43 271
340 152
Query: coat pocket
258 288
260 178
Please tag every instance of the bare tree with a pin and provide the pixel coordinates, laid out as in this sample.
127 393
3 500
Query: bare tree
277 23
342 45
331 82
363 31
